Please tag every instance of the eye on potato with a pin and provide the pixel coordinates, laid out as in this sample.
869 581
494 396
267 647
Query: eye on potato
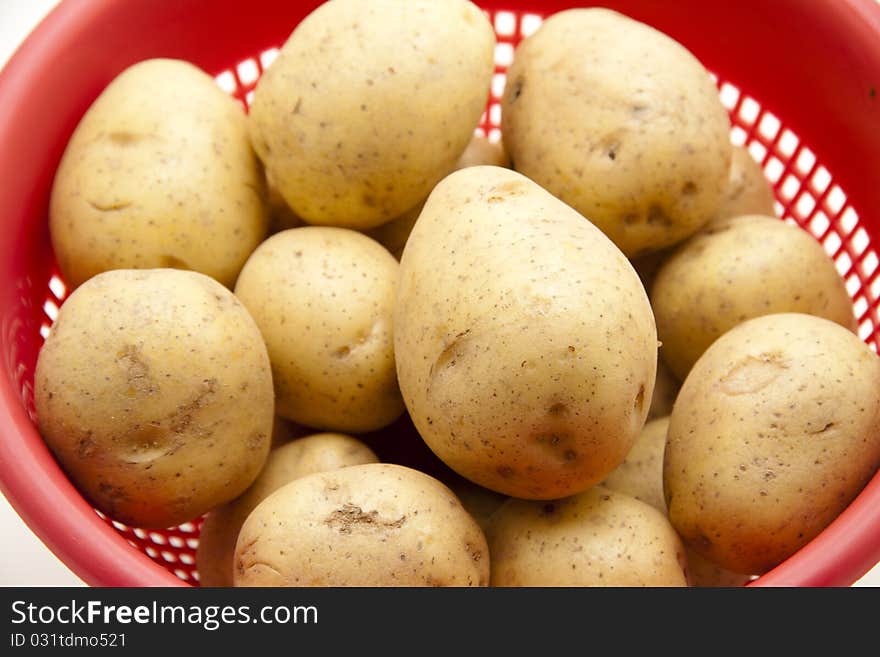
622 123
736 269
323 298
596 538
369 104
525 344
303 456
364 525
154 391
775 431
159 173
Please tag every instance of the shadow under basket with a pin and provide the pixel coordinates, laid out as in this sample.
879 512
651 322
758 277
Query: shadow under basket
799 79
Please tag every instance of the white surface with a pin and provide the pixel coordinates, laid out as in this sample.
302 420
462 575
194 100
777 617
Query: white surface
24 560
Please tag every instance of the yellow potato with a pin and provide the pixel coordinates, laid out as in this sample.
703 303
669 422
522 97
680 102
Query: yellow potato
303 456
596 538
154 392
159 173
525 345
622 123
369 104
775 431
736 269
323 299
364 525
748 190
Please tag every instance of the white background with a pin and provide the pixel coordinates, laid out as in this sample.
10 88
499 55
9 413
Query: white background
24 560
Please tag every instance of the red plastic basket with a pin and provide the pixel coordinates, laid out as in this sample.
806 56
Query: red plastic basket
801 81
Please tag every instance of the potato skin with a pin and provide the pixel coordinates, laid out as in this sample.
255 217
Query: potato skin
154 392
143 187
324 298
641 476
776 429
748 190
599 107
736 269
480 151
303 456
596 538
369 104
364 525
526 366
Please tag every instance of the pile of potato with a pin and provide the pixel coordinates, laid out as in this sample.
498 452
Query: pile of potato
378 350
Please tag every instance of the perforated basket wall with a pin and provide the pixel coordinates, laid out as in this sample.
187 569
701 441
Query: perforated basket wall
806 192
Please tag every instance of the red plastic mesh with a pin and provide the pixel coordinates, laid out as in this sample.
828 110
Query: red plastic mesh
806 194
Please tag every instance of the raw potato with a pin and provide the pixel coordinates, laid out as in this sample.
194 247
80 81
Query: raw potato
641 476
596 538
525 344
364 525
748 190
641 473
369 104
324 299
159 173
736 269
154 392
620 122
315 453
666 389
775 431
480 151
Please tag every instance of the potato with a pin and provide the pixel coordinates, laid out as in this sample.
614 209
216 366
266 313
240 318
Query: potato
748 190
480 151
153 390
525 344
303 456
641 476
736 269
158 173
775 431
364 525
596 538
369 104
323 299
641 473
622 123
666 388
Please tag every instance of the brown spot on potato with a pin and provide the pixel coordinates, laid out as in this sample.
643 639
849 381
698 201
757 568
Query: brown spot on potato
109 206
558 410
173 262
349 517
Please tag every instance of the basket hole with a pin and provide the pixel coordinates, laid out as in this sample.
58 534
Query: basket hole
503 54
788 143
757 151
737 136
158 539
819 224
248 71
58 288
192 543
836 199
530 24
495 114
832 244
140 533
729 95
860 307
44 331
188 528
749 110
151 552
805 161
505 23
182 574
848 220
187 559
875 288
226 81
495 135
773 169
498 82
769 128
790 187
268 56
51 309
853 285
170 557
176 541
869 264
843 264
821 179
805 204
860 241
866 329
